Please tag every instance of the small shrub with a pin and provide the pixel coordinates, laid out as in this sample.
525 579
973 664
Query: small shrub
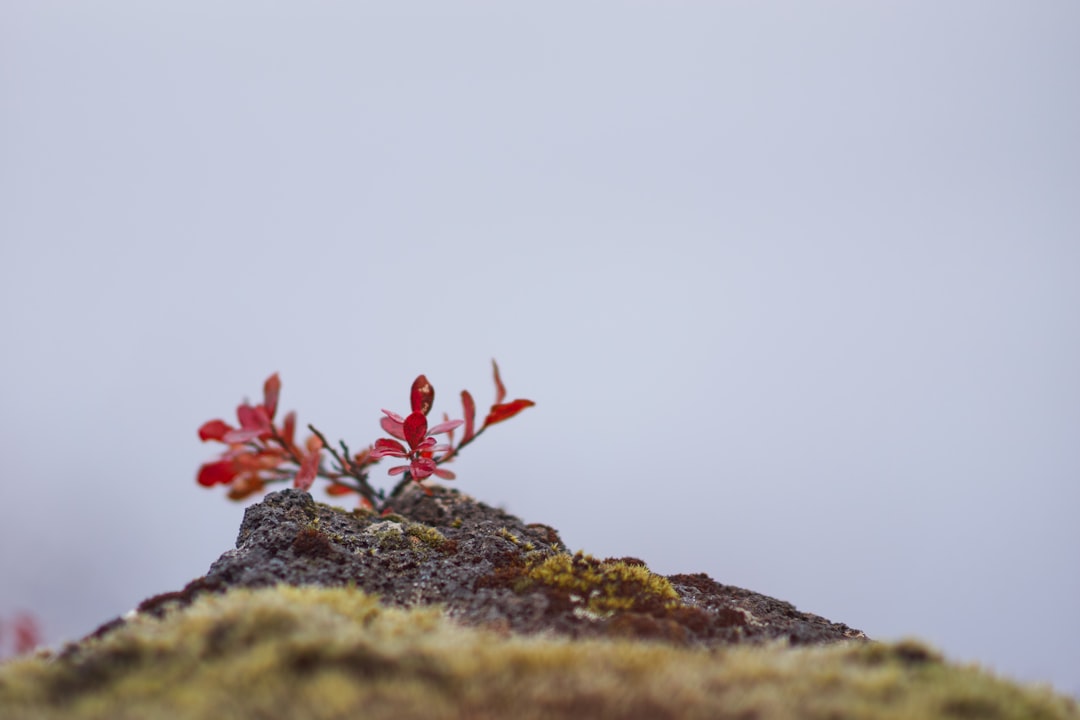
261 451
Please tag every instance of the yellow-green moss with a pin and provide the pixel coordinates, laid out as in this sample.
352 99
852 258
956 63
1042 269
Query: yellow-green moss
603 586
507 535
332 654
389 534
426 534
400 535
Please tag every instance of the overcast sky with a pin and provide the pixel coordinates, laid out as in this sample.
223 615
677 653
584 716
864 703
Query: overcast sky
795 287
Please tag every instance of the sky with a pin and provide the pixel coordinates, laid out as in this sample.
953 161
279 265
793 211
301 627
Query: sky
794 286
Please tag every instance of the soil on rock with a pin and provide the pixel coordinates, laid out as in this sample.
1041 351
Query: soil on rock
479 563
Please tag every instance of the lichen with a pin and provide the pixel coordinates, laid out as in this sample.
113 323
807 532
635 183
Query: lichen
337 653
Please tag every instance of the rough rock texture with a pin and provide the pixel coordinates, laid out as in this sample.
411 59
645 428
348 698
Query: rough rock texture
487 568
472 614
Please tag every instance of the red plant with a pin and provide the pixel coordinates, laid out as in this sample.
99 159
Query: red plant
260 452
27 633
414 430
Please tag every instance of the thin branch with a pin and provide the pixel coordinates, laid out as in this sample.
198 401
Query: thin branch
364 488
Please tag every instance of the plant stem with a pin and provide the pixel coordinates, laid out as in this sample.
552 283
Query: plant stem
407 477
364 488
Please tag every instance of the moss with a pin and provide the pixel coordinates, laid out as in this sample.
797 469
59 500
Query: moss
507 535
389 534
394 535
335 653
604 587
427 535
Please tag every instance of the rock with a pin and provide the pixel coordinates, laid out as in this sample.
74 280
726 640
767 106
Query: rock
447 608
489 568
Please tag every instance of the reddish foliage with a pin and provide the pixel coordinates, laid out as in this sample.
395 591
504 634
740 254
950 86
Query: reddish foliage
422 396
309 466
500 389
422 444
506 411
221 472
468 405
260 452
26 633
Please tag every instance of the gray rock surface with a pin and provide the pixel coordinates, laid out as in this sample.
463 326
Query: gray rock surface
450 549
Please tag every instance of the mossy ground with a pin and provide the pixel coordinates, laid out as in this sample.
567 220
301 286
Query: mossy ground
337 653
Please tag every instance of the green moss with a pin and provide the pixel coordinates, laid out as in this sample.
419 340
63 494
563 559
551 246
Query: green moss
331 654
394 535
389 534
427 535
605 586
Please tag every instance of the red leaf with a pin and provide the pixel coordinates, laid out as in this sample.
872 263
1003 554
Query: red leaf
415 428
245 486
422 396
450 432
254 422
216 473
214 430
309 468
421 468
243 435
271 390
505 411
469 406
27 633
445 427
335 489
385 447
500 389
392 424
253 418
288 429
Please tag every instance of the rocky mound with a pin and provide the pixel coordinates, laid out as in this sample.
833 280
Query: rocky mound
447 608
488 568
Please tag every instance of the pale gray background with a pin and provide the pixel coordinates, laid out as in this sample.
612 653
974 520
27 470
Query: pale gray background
794 285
